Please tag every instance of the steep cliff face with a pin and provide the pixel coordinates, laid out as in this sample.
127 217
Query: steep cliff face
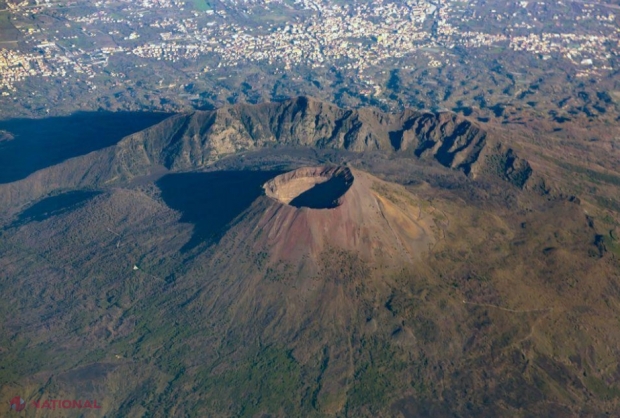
196 139
452 141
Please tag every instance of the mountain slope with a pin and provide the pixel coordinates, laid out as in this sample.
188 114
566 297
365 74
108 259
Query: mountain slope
197 139
186 142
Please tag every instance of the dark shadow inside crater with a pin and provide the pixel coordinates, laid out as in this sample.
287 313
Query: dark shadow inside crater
324 195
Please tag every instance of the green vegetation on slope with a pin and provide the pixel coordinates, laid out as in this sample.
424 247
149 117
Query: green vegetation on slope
269 382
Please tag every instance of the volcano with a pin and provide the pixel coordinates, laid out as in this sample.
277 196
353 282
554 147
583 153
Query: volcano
310 209
297 268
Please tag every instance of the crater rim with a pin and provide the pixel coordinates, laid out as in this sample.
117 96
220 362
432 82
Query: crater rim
315 188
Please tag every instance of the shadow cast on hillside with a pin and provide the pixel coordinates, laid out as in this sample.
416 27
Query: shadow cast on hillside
54 206
210 201
41 143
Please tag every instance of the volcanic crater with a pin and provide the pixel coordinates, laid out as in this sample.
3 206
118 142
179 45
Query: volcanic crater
311 187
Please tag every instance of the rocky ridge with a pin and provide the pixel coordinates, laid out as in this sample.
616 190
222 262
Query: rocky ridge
193 140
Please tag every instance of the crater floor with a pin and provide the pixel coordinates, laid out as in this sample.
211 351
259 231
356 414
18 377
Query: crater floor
311 187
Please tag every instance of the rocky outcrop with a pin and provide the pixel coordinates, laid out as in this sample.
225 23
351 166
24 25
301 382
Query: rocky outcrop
505 163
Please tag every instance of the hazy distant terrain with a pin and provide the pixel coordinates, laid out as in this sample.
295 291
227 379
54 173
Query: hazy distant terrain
491 60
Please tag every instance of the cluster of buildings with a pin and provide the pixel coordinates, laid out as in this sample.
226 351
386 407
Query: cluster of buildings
350 35
359 36
50 61
154 4
355 36
579 49
15 67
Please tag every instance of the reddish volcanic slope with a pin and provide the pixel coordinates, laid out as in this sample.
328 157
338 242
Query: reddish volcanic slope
303 265
312 209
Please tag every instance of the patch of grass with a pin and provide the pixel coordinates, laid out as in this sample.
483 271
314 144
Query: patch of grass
372 387
609 220
94 356
592 175
608 203
377 378
270 382
601 389
23 360
201 5
8 32
612 245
